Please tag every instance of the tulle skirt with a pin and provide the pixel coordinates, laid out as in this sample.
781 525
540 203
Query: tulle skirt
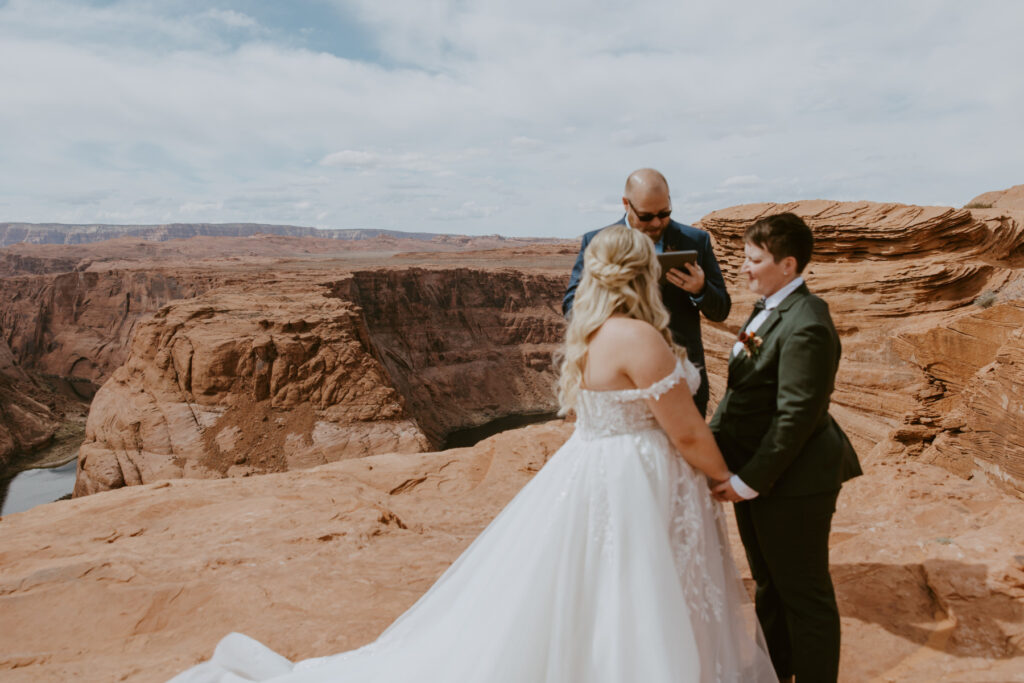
610 566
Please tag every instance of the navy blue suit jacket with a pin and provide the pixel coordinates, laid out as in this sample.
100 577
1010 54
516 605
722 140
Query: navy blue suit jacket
684 309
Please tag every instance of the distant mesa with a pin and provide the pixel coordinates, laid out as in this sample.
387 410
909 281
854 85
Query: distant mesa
1012 198
59 233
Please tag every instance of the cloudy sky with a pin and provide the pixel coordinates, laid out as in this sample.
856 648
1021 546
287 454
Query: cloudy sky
519 117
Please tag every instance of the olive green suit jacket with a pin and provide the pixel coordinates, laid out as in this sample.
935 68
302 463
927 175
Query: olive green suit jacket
773 425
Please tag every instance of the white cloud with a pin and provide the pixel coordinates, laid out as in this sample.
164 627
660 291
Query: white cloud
465 210
231 18
632 138
603 208
200 208
741 181
352 158
525 143
498 116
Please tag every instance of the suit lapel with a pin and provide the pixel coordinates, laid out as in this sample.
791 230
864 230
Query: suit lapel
779 311
770 322
768 325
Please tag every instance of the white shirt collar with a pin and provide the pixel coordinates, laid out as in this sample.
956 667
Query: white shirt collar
777 298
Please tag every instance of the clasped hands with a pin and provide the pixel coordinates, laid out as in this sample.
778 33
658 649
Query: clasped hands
690 278
722 491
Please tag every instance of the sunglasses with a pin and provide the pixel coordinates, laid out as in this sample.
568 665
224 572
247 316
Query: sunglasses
647 217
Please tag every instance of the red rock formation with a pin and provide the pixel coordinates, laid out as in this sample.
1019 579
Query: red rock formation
68 314
77 324
243 380
464 346
295 372
26 423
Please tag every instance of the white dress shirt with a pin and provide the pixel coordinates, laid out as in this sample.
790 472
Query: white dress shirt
770 303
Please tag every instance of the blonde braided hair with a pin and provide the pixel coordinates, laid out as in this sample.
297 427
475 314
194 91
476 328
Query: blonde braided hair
620 275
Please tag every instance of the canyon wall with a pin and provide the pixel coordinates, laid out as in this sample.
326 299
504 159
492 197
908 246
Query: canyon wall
298 371
464 346
77 324
26 422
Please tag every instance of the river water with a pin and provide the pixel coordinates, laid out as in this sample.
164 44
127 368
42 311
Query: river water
473 435
45 485
35 487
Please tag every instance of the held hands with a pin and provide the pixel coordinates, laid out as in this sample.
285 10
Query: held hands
724 492
690 278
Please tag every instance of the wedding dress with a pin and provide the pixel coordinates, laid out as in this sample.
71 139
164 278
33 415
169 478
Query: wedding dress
610 566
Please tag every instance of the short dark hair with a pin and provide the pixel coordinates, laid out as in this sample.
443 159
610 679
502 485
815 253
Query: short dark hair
784 234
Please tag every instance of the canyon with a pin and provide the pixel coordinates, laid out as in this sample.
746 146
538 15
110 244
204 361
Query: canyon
335 374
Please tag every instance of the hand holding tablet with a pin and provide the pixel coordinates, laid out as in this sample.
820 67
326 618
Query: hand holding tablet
675 259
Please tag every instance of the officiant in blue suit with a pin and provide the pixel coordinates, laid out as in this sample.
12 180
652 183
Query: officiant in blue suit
687 292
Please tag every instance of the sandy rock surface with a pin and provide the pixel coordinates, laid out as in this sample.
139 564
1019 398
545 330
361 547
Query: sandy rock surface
138 583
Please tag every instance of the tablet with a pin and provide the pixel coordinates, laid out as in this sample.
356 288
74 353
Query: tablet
675 259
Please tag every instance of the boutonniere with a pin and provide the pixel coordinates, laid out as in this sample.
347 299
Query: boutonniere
751 343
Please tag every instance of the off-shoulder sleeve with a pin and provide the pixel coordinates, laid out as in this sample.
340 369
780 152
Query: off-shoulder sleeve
684 371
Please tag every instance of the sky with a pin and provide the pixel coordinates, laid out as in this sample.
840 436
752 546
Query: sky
512 117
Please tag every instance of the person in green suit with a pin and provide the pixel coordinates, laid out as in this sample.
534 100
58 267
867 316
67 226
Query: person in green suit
788 456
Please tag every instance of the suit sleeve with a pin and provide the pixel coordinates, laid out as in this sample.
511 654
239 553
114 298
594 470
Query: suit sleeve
807 362
574 279
714 302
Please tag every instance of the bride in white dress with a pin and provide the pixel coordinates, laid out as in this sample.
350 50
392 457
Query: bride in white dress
611 565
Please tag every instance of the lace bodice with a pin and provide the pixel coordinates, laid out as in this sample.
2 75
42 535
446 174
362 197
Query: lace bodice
609 413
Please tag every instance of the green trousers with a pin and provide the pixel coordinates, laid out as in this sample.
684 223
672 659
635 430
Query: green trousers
786 539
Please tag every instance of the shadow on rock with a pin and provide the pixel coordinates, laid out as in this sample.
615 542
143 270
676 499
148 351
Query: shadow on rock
950 606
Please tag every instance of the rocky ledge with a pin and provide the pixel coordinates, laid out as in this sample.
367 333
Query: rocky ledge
138 583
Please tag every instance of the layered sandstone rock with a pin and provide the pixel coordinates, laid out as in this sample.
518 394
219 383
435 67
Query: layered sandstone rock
927 301
139 583
466 346
70 312
237 382
970 419
77 324
295 372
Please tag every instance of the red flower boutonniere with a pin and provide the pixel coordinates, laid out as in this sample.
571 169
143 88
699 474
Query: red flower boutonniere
751 343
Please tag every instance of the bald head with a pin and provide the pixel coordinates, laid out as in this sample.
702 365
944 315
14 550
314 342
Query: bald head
647 202
645 180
